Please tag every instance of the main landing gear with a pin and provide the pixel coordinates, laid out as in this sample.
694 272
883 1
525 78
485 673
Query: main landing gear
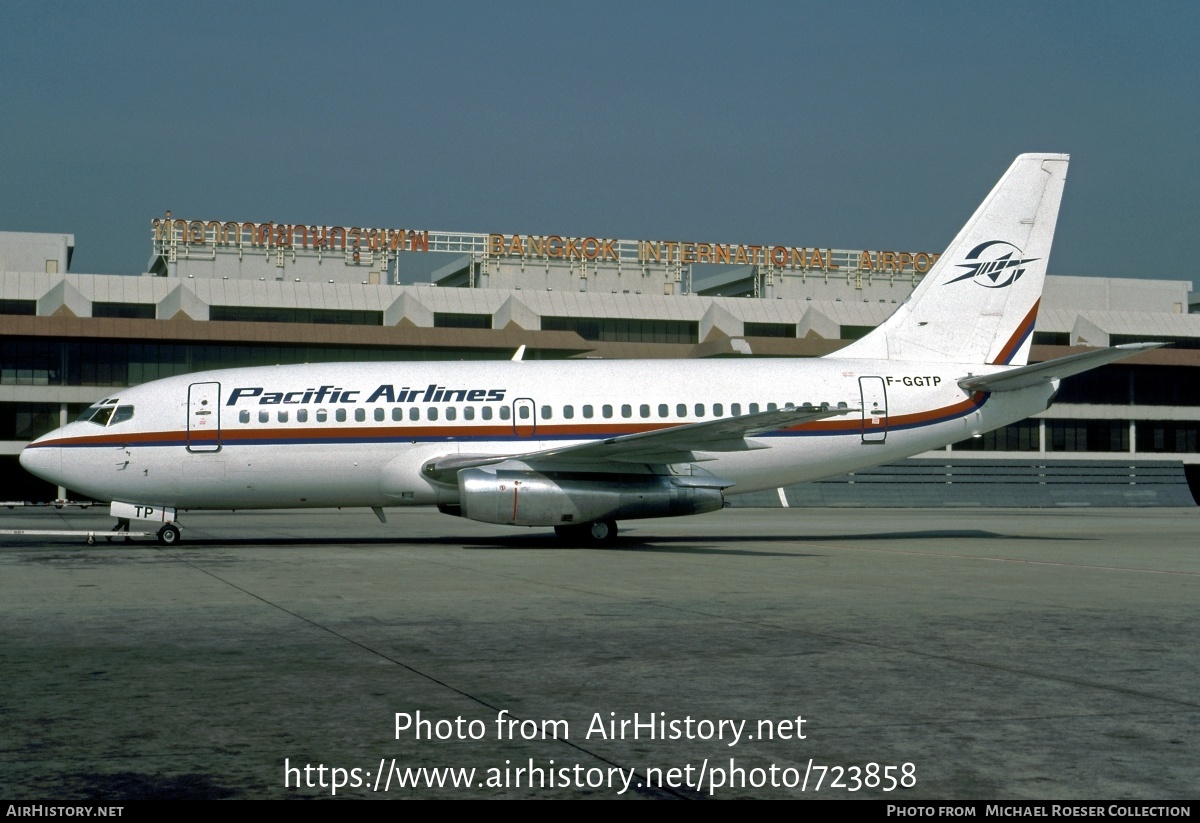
600 533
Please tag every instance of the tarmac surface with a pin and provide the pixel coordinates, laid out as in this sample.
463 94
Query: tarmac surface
930 654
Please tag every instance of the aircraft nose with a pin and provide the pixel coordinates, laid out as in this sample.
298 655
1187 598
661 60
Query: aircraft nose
42 461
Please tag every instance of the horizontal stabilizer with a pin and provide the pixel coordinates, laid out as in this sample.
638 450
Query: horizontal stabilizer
674 444
1026 376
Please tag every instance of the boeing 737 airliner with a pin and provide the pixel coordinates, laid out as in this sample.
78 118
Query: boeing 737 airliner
580 445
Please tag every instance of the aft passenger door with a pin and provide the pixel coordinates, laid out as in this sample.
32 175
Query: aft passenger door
874 409
204 417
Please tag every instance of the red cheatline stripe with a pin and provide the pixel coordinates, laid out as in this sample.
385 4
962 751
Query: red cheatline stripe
349 432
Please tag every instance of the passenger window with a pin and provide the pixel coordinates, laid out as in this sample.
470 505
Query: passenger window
663 410
432 413
451 413
487 412
302 416
469 413
626 410
414 414
379 415
281 415
505 413
699 409
340 415
644 409
264 416
607 410
719 410
569 412
754 408
322 415
735 409
397 414
523 412
587 412
360 415
772 407
547 412
243 416
681 410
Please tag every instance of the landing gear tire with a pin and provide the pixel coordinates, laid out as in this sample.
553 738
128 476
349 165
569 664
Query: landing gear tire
600 533
168 535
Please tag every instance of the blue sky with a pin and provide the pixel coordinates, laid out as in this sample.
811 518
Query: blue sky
850 125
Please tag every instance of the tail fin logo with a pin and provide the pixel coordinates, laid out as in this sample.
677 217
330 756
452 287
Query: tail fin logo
998 270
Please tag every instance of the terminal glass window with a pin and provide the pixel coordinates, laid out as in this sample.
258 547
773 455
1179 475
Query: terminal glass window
1087 435
144 311
770 329
1019 437
450 320
1168 436
626 330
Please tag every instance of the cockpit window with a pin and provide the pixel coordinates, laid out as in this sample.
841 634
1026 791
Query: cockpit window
98 413
105 413
122 414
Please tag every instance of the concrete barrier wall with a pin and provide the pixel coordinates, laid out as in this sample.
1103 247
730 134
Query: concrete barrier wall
998 483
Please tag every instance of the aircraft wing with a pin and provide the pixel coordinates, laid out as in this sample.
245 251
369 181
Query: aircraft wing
1025 376
674 444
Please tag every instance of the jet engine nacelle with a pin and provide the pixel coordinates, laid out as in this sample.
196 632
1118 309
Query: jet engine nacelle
526 498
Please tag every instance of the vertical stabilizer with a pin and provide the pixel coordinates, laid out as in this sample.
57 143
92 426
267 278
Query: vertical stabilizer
979 301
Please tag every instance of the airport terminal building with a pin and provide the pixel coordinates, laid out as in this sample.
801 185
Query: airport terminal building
220 294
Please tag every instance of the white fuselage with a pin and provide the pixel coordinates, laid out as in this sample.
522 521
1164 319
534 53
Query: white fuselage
358 434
